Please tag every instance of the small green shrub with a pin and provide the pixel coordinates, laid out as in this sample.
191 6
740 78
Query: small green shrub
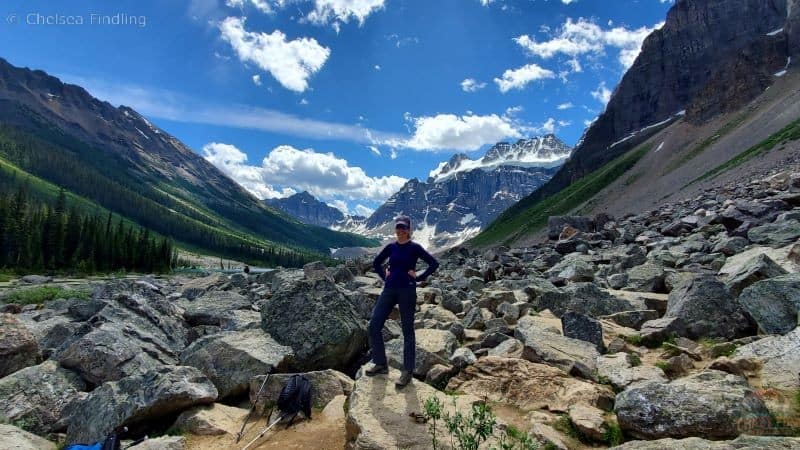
662 365
613 434
634 339
39 295
564 425
634 360
469 431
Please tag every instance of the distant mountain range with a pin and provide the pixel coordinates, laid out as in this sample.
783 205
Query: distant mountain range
115 157
459 197
306 208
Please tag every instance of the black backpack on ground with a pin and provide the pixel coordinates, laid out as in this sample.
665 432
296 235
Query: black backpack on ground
295 397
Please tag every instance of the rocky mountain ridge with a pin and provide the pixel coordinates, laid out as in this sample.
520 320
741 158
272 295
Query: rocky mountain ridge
112 155
709 58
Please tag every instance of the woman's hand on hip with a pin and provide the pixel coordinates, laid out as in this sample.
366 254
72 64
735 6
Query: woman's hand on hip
412 274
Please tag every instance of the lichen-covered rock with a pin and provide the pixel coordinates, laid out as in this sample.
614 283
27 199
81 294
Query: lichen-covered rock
759 268
153 394
540 346
318 322
743 442
18 346
618 371
432 347
40 395
708 404
780 357
232 358
774 303
708 309
211 307
586 298
580 326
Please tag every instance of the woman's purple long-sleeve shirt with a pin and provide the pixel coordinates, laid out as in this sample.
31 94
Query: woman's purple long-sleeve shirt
402 258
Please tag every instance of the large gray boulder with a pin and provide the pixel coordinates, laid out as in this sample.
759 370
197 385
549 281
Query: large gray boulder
154 394
759 268
211 307
780 358
775 234
774 303
585 298
572 268
646 278
708 404
40 395
708 309
570 355
231 359
138 329
15 438
199 286
619 371
318 322
109 354
580 326
743 442
432 347
18 346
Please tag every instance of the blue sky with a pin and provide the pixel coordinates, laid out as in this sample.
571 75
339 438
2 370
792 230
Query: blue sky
345 98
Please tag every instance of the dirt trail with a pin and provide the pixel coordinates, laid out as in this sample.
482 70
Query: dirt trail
321 433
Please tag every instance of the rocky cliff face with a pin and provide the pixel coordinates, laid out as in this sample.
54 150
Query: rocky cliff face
710 57
307 209
463 195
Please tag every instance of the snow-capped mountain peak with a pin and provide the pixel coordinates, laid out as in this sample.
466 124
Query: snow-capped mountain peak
545 151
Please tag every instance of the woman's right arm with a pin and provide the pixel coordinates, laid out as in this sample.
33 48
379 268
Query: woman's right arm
377 263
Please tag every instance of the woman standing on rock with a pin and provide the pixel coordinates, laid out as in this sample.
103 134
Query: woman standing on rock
400 288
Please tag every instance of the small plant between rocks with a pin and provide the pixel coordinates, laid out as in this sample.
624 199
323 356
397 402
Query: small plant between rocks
469 431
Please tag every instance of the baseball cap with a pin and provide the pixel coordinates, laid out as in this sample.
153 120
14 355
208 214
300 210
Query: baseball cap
402 221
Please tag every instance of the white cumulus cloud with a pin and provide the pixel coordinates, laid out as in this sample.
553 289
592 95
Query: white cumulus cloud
287 170
564 106
518 78
471 85
291 62
465 133
333 11
584 36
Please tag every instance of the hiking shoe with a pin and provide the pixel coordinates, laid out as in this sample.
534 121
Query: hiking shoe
376 369
405 378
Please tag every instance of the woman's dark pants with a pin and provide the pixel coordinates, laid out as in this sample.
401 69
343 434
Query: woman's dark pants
406 299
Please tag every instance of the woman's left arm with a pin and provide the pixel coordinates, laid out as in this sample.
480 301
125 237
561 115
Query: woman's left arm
433 264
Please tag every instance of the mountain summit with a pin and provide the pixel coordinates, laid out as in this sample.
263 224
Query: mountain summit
545 151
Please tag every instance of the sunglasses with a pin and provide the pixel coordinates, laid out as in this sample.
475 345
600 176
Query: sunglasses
400 227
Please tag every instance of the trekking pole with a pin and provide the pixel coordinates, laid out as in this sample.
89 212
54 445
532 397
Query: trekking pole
252 408
137 442
280 417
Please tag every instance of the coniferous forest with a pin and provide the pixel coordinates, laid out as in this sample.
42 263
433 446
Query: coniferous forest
37 236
